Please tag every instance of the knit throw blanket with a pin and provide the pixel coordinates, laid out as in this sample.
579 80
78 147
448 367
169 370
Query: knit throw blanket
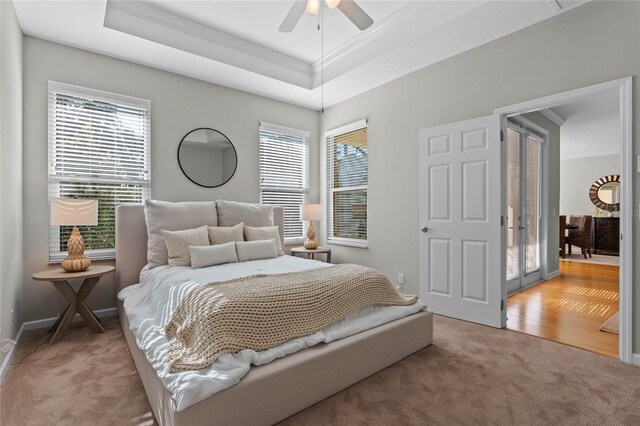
263 311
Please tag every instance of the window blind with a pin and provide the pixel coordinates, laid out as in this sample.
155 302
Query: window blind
99 148
284 174
347 183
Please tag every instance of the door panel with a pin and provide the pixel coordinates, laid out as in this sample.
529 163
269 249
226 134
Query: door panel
461 264
475 267
440 197
440 273
474 191
532 207
513 206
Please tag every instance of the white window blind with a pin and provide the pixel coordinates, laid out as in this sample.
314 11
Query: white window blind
347 183
99 148
284 174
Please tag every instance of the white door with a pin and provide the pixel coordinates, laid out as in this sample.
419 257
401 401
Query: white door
461 256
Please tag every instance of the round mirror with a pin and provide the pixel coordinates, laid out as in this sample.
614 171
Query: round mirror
605 193
207 157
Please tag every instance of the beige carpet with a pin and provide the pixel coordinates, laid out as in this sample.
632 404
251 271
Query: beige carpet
471 375
612 325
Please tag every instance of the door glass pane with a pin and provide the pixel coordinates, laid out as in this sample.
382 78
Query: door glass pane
532 204
513 203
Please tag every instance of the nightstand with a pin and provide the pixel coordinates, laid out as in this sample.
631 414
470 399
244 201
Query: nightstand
311 253
60 278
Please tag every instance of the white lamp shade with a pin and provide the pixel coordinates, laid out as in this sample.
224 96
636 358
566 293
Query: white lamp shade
74 212
311 211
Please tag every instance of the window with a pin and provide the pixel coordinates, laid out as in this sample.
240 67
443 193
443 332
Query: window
99 148
347 181
284 174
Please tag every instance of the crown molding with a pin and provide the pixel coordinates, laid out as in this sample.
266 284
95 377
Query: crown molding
145 20
152 23
556 118
363 39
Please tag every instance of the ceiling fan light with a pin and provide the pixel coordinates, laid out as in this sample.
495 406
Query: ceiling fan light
312 7
332 3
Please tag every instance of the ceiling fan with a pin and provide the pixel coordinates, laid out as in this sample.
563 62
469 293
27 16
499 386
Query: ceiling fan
348 7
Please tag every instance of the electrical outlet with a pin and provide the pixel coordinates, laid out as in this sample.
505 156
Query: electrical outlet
400 278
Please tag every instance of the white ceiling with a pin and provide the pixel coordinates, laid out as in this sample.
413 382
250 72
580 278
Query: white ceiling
592 127
237 44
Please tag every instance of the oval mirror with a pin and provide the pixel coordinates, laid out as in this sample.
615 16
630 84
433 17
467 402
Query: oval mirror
605 193
207 157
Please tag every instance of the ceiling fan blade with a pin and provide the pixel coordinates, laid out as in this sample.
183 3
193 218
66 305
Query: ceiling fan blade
355 14
294 15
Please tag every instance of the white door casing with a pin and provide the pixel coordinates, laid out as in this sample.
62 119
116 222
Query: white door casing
461 260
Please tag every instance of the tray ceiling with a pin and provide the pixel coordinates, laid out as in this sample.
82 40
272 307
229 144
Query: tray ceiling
237 44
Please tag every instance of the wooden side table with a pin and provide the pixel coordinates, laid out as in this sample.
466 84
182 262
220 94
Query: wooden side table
311 253
60 278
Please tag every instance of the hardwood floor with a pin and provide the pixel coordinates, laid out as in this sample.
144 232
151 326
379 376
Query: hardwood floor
570 308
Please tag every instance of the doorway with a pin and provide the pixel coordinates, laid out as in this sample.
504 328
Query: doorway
463 239
599 286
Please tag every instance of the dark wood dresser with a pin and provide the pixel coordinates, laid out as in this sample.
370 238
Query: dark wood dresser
605 237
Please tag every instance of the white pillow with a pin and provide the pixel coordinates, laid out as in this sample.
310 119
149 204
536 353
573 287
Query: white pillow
164 215
178 243
254 250
225 234
231 213
264 233
213 255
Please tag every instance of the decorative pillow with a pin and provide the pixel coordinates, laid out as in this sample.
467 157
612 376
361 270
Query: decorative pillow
178 243
231 213
225 234
254 250
164 215
213 255
264 233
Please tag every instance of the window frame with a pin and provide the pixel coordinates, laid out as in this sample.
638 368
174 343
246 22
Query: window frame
54 180
331 190
305 190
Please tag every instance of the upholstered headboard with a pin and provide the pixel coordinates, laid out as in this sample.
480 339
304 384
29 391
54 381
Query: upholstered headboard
131 242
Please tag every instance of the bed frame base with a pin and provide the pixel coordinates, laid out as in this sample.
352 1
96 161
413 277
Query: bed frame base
275 391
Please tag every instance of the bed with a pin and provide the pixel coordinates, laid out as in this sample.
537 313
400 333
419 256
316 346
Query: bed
274 391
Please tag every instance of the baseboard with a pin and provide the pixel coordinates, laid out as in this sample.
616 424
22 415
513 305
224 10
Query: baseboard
553 274
48 322
44 323
4 369
635 359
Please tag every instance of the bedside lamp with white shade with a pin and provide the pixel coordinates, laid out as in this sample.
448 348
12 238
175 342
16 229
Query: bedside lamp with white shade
311 212
74 212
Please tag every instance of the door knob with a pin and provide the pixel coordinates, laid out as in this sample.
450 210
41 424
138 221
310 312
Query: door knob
521 227
425 229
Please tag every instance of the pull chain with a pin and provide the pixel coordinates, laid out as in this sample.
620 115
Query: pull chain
321 20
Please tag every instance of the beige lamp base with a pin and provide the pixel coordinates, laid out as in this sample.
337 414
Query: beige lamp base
76 261
310 243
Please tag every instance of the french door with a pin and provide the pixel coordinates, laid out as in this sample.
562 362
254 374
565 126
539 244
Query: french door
523 215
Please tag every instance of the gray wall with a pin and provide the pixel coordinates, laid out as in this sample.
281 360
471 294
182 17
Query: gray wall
179 104
10 172
576 177
591 44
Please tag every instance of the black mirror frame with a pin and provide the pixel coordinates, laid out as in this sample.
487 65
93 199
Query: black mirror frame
593 192
185 173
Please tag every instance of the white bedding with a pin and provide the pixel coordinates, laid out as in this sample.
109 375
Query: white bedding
150 304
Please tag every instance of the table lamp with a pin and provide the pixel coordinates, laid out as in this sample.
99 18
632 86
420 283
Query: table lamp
311 212
74 212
